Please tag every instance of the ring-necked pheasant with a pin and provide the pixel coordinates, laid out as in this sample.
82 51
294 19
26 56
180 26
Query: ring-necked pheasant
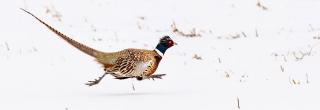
128 63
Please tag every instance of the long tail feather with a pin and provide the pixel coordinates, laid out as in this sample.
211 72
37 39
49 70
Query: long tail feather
90 51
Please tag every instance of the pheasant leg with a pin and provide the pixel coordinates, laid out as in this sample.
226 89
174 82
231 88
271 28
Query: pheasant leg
95 81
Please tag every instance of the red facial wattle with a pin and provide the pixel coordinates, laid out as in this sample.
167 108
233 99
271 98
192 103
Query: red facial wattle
170 43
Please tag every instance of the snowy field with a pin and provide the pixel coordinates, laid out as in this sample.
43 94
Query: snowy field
232 54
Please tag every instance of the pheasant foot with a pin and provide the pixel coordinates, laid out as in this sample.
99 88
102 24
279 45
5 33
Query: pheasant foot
95 81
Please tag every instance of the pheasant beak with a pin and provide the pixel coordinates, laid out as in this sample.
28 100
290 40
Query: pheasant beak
174 43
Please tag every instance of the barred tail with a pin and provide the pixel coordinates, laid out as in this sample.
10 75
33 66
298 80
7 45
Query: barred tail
90 51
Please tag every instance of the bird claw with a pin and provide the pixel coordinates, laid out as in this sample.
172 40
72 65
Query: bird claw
95 81
156 76
91 83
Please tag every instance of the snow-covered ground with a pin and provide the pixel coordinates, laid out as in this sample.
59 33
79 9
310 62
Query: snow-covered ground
248 54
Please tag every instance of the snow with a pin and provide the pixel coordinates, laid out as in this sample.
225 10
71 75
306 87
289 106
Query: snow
266 58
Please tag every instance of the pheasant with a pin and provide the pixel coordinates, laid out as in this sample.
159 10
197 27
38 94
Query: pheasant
124 64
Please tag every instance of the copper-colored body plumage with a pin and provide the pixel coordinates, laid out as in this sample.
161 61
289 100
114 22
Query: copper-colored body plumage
128 63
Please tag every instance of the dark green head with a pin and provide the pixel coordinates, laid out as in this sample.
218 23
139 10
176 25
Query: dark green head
165 43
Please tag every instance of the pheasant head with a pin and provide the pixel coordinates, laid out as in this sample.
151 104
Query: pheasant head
164 43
